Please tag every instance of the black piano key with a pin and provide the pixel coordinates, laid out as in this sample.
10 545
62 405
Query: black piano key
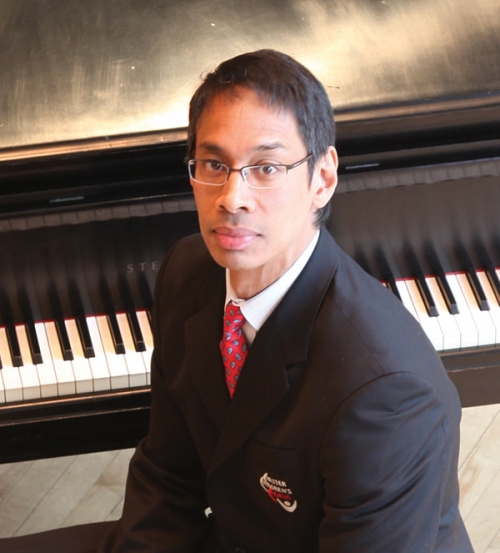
477 290
139 343
385 272
116 335
76 291
494 280
85 339
448 296
63 337
145 291
25 303
423 288
362 261
415 267
36 354
15 350
391 284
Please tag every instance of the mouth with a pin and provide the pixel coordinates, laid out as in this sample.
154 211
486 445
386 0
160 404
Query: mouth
234 238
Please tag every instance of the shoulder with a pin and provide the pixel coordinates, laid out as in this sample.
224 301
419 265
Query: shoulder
186 263
187 273
186 254
369 334
374 318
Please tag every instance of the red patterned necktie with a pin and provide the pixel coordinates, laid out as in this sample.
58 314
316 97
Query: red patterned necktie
233 345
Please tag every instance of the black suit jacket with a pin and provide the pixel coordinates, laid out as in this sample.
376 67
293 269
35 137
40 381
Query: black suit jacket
342 435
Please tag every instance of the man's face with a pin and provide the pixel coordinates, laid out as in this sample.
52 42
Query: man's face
257 233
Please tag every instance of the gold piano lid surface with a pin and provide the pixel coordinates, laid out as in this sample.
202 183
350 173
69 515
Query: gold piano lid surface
73 70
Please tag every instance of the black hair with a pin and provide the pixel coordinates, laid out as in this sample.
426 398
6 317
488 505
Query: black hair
282 82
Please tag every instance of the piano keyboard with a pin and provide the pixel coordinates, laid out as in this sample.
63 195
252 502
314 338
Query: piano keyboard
457 311
74 356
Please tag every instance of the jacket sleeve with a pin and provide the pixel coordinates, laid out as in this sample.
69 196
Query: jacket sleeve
387 462
165 500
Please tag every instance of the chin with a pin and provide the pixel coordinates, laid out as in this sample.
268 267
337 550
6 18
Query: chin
232 260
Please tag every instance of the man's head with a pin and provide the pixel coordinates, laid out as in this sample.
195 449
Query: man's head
257 198
284 84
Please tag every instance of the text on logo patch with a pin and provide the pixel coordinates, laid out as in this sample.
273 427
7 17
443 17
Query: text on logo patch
277 489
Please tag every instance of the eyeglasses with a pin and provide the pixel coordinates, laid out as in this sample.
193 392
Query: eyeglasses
215 173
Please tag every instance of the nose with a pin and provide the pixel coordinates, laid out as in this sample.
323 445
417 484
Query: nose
235 195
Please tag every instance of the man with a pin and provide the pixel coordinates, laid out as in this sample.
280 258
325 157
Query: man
340 434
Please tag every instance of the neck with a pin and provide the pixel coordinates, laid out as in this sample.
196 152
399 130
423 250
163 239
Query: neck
245 287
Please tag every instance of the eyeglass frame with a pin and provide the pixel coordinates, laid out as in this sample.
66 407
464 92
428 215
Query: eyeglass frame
241 170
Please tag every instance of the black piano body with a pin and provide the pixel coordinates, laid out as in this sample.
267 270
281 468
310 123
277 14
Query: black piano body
86 220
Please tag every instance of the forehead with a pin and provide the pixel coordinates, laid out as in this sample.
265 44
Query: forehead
241 115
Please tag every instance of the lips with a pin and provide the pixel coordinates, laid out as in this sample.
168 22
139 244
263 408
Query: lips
234 238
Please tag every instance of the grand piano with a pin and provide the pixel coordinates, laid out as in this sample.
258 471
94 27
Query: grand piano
94 191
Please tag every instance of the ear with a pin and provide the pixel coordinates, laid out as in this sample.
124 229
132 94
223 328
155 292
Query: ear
325 178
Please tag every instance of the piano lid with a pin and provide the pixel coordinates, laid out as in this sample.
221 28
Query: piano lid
73 70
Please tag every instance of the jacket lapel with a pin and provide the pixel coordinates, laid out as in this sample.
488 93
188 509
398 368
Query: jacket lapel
203 359
282 341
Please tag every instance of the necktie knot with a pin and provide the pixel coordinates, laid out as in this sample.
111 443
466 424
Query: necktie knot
233 345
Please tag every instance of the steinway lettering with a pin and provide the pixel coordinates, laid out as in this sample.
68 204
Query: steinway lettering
143 267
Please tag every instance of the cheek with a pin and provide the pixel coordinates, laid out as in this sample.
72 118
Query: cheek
285 222
291 210
204 202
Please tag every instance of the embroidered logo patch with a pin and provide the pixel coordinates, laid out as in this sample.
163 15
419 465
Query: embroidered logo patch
277 489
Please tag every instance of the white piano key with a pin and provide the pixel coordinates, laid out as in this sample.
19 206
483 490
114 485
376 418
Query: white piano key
406 298
429 324
2 389
135 361
81 366
27 372
98 363
116 362
143 319
63 369
497 271
12 384
46 371
469 336
492 300
482 319
447 322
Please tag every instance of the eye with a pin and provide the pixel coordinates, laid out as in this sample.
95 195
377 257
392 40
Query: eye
267 170
213 166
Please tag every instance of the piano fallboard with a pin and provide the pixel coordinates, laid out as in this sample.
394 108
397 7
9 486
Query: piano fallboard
71 425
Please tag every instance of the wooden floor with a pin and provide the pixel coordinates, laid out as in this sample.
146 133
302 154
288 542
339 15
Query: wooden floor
479 473
39 495
46 494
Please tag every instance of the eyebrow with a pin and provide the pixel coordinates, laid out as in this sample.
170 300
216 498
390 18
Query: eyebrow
270 146
266 147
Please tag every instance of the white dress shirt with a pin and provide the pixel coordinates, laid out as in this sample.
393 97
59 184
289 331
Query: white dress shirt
256 310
